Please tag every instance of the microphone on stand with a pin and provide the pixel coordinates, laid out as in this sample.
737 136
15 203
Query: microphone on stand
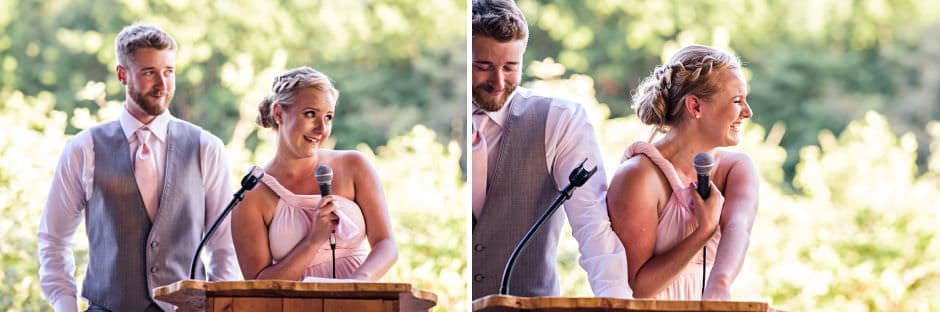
248 182
577 178
703 163
324 176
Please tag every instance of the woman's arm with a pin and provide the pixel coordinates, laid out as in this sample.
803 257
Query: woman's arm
251 242
371 199
737 219
632 201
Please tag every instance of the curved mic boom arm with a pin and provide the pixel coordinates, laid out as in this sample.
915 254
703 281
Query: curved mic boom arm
248 182
577 178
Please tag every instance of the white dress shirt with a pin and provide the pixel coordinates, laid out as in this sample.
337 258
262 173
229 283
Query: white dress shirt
569 139
71 190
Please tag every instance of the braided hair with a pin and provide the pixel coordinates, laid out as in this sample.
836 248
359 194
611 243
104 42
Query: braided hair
693 70
285 87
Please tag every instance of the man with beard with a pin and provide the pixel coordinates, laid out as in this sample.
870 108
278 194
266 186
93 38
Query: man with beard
147 184
524 147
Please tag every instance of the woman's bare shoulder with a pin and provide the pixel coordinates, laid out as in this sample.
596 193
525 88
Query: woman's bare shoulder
349 159
260 200
638 175
736 167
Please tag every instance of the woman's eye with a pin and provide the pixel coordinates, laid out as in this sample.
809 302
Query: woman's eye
329 117
310 114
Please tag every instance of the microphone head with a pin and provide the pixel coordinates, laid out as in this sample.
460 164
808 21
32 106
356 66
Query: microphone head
251 179
324 175
703 163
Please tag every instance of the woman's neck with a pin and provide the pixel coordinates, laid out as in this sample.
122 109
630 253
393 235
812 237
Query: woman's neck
287 166
679 146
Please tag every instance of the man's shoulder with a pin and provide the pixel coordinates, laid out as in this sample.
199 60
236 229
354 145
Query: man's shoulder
80 141
86 137
553 102
205 137
107 125
186 125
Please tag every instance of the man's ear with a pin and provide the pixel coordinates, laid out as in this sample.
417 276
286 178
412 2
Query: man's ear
693 106
121 74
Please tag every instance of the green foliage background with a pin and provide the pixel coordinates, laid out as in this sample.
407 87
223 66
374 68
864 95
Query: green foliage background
861 236
399 65
816 64
845 97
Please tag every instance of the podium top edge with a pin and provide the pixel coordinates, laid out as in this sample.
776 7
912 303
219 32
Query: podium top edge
504 302
208 287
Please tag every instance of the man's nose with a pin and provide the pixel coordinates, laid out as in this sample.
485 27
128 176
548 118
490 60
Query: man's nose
498 81
160 83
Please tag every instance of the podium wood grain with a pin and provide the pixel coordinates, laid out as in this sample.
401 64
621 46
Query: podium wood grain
499 303
279 295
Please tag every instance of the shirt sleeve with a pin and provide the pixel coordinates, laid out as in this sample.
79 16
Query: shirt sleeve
220 251
60 219
570 139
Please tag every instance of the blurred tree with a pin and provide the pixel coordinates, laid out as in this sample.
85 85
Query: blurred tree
400 67
396 63
816 64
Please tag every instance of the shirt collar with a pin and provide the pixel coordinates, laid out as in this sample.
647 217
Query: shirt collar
157 126
499 117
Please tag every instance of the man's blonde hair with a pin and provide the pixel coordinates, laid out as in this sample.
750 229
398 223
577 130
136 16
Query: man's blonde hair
138 36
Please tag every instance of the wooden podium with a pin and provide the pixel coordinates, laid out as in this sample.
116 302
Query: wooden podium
279 295
500 303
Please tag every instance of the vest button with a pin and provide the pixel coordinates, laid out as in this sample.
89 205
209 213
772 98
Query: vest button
478 278
154 244
154 269
479 247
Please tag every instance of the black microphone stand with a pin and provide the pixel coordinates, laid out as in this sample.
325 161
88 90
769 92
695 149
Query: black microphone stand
577 178
248 182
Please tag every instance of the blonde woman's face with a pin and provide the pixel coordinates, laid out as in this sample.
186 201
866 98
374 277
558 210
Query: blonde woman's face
728 108
307 123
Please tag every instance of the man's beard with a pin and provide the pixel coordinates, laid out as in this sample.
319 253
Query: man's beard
148 104
488 103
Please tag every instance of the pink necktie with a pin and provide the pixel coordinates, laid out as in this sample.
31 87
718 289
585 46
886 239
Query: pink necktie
479 163
145 170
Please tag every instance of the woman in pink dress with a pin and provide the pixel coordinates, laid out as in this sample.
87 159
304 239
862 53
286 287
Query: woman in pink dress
698 100
281 230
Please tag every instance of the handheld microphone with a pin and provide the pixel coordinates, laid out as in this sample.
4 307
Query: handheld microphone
248 182
577 178
324 176
703 164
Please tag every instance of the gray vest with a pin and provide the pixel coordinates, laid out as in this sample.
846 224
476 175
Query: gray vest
518 192
128 255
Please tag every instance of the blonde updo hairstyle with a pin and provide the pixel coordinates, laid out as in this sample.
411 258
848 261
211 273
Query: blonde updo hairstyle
285 87
693 70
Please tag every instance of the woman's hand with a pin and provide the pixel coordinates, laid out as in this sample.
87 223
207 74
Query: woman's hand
323 219
708 212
